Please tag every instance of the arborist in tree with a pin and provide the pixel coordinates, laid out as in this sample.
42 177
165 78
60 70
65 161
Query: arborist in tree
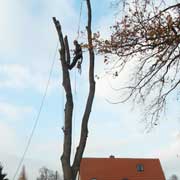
78 57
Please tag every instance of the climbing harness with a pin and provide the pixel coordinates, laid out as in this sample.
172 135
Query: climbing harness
79 67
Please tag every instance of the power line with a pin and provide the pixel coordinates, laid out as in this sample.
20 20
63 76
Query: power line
38 115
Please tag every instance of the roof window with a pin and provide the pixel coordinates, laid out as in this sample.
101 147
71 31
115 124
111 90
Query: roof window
93 178
140 167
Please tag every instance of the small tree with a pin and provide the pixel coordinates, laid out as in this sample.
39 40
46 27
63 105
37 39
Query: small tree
173 177
70 170
47 174
23 175
147 37
2 175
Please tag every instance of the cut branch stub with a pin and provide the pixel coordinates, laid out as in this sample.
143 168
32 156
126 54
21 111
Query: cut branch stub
58 28
67 50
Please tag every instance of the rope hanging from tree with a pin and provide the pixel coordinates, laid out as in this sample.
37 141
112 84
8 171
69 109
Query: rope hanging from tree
79 21
75 78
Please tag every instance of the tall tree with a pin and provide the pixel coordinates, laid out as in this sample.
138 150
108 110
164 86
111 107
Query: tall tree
70 170
2 175
148 39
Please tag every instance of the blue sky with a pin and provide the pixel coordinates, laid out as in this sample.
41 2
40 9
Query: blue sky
27 45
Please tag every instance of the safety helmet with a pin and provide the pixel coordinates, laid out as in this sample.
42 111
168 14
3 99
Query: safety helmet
75 41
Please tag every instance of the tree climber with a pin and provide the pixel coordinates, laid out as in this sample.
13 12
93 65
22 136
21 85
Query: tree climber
77 56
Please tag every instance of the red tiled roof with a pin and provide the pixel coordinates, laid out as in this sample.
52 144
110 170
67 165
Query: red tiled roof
120 168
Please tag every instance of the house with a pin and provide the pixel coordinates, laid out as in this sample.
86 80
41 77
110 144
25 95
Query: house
120 169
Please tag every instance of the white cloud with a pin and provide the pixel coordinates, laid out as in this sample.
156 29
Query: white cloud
24 28
106 72
170 156
8 138
28 39
9 27
14 112
176 135
15 76
104 146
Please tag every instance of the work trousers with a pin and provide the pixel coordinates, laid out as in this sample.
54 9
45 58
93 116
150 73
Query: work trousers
75 59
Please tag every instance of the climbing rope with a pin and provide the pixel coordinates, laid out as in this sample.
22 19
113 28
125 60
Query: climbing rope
74 115
37 117
79 21
75 83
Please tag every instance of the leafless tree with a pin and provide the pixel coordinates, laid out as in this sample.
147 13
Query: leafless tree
70 170
48 174
174 177
148 36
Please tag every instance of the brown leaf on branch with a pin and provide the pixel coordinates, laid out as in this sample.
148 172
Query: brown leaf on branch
151 34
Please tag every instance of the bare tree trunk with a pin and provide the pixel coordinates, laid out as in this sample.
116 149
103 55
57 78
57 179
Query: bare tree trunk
70 172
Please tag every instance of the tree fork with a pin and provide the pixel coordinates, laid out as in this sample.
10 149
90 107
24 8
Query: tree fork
70 172
84 125
64 55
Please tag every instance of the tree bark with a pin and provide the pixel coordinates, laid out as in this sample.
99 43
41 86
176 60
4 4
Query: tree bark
65 158
70 172
84 125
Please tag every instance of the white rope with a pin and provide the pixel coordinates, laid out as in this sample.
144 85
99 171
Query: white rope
79 22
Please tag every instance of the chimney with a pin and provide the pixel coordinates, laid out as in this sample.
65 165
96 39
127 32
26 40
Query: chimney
112 156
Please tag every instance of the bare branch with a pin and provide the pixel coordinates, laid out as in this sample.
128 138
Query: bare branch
65 158
149 37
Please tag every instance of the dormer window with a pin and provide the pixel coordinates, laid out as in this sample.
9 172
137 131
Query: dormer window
140 167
